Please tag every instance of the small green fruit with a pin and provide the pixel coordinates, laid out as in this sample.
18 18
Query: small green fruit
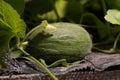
69 41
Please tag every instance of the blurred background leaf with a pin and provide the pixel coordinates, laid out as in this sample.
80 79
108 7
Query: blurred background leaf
113 4
97 25
113 16
19 5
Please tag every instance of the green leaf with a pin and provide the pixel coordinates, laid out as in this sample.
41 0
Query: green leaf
92 20
10 26
18 5
10 18
113 16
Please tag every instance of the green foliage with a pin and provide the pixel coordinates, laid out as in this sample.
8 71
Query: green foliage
113 16
55 10
56 13
10 26
52 10
18 5
34 7
74 10
113 4
86 12
92 20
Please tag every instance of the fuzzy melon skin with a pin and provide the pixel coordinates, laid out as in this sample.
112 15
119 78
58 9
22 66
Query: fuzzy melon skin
69 41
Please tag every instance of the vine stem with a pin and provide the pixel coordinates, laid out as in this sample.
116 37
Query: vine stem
113 49
20 46
116 41
40 64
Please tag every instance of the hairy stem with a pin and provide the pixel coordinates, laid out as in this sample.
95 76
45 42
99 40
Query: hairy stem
116 41
40 64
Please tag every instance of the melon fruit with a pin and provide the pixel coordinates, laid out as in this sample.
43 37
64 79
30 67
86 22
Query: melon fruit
69 41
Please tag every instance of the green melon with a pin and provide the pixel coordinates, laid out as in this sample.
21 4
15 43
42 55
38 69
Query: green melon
69 41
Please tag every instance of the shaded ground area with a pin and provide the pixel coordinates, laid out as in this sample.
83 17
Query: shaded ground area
97 66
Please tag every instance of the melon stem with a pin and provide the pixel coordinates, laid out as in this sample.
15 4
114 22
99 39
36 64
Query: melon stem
40 64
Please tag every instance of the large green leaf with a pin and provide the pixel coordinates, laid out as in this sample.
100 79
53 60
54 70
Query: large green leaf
10 18
10 26
113 16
